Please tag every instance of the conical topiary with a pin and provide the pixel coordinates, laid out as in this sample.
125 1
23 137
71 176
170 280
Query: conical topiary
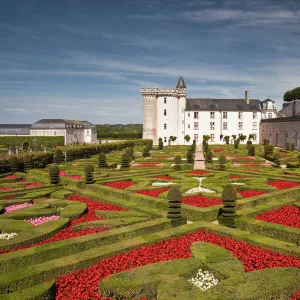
54 174
222 162
209 157
102 160
177 162
189 156
89 177
174 203
58 157
228 212
160 144
146 151
27 160
130 152
70 155
251 150
125 161
14 164
276 159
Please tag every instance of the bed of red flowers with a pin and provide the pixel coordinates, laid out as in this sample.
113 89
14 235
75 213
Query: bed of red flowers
234 176
154 192
198 172
218 150
147 165
64 174
33 185
201 201
285 215
121 185
252 171
244 158
251 193
83 284
67 232
283 184
6 188
11 177
164 177
8 198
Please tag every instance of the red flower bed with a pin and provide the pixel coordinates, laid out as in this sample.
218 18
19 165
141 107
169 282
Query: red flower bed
165 177
285 215
201 201
67 232
64 174
153 193
198 172
147 165
251 193
121 185
244 158
6 188
283 184
11 177
33 185
252 171
234 176
9 198
83 284
218 150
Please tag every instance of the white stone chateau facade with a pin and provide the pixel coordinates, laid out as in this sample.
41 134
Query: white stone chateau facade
168 112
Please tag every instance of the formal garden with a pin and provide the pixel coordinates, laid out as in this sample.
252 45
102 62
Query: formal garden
130 220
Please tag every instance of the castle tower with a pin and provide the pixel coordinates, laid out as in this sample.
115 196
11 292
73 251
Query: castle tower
181 94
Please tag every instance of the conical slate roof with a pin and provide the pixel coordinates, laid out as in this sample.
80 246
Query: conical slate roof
181 84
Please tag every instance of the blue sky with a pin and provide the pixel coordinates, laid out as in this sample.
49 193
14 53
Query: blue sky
88 60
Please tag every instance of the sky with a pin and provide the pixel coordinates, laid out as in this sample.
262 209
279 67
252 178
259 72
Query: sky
87 60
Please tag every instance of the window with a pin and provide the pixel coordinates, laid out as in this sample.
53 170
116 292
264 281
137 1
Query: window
195 125
240 125
254 136
165 139
165 126
212 125
165 112
224 114
255 115
189 114
54 133
189 126
254 126
196 114
240 115
212 137
269 115
212 114
196 137
165 100
225 125
182 122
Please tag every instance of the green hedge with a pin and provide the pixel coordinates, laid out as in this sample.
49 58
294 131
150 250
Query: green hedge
43 141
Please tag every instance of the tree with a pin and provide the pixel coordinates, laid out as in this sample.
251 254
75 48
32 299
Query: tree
221 137
146 151
288 146
222 161
227 138
251 150
292 95
251 137
242 137
58 157
189 156
160 144
269 150
177 161
209 157
276 159
234 137
205 138
228 211
174 203
187 138
172 138
89 177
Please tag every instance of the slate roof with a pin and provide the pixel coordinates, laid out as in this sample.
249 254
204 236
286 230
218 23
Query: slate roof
287 111
15 129
60 124
196 104
267 100
181 84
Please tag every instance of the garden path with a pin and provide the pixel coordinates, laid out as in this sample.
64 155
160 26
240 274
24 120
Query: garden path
199 158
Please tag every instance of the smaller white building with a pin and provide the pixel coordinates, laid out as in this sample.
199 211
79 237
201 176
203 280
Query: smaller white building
72 130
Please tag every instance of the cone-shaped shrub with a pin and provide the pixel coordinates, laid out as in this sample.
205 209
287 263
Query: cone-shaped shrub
269 150
177 162
102 160
222 161
130 152
70 155
125 161
193 148
27 162
58 157
276 159
228 214
189 156
209 157
288 146
14 164
146 151
248 145
54 174
160 144
89 177
251 150
174 203
292 146
150 144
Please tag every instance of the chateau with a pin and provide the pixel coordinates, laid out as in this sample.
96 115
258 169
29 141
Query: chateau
168 112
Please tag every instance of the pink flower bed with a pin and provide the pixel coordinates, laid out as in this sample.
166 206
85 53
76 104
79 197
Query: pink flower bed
10 208
33 185
201 201
285 215
41 220
244 158
11 177
64 174
6 188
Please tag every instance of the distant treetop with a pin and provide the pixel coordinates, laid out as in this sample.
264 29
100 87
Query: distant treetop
292 95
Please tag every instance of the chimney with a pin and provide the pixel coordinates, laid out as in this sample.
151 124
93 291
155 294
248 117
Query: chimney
247 96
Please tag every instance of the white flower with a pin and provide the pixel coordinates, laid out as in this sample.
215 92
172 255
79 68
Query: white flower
199 189
162 183
7 236
204 280
238 183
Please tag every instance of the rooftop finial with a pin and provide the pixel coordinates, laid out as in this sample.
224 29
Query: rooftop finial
181 84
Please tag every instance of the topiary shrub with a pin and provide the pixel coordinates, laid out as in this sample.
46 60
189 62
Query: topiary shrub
174 203
292 146
150 144
193 148
113 166
89 177
189 156
130 152
27 162
70 155
236 144
160 144
222 162
288 146
269 150
102 160
248 145
266 142
125 161
209 157
54 174
177 162
205 147
228 211
276 159
14 164
58 157
146 151
251 150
